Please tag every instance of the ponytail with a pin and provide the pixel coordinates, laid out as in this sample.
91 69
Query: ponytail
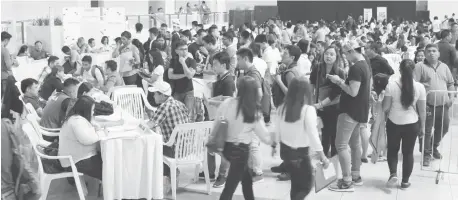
407 88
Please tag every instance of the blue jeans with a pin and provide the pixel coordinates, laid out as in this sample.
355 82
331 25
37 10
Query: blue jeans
441 124
255 156
222 168
348 135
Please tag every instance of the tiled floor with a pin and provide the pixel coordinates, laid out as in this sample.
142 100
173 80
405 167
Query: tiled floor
374 175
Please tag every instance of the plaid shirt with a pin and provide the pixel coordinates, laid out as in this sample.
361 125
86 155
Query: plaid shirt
168 115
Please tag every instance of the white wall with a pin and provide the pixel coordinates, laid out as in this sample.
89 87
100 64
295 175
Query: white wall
441 8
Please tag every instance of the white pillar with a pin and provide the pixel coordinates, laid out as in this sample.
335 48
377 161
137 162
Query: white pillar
13 45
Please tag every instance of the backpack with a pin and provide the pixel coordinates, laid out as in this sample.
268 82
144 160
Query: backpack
101 71
278 95
266 94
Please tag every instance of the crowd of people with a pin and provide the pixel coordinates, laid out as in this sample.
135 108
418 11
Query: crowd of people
305 87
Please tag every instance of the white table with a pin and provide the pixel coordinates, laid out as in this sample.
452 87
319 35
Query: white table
132 161
29 68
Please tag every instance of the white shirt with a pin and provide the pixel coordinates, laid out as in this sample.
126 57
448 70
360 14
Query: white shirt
301 133
272 58
304 65
159 71
398 114
260 65
436 26
142 36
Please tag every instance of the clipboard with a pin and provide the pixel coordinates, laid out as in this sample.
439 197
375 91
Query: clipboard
322 178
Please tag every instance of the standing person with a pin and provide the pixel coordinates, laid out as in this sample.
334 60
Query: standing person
245 123
129 58
327 96
296 126
378 63
405 99
7 61
435 75
303 64
447 54
354 105
284 77
230 47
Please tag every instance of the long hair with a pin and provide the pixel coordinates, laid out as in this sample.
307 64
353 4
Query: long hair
299 94
407 89
416 54
156 55
84 88
248 99
22 50
339 63
83 107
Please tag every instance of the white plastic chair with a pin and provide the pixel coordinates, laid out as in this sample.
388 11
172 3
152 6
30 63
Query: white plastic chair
42 130
189 140
130 100
31 110
46 179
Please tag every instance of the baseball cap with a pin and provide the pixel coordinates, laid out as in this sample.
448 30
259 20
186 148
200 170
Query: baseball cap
162 87
351 45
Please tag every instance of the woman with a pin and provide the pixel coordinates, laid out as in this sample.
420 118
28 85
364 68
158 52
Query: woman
245 122
296 126
23 51
141 51
52 82
129 59
405 100
104 44
155 71
327 96
80 140
419 56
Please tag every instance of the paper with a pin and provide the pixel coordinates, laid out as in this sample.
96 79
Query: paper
329 172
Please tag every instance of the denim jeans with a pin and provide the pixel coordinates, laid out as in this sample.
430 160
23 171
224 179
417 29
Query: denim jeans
348 134
188 99
255 158
8 182
407 133
223 167
434 119
237 155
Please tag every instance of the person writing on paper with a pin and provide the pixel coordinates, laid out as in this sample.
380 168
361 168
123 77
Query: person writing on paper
405 99
169 114
113 79
80 140
296 130
245 122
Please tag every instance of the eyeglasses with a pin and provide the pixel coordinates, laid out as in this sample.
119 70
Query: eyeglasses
182 49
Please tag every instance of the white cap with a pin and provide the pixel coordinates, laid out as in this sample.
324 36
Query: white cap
162 87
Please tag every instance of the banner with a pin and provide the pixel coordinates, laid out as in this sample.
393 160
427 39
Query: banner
381 13
367 14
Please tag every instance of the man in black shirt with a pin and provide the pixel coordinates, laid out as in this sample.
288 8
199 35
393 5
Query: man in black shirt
182 69
197 49
354 106
378 63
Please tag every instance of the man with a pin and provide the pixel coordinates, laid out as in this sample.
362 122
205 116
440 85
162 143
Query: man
211 47
378 63
80 46
245 63
258 63
231 48
436 26
454 32
29 88
224 86
52 62
320 34
56 107
304 65
194 28
73 62
354 105
268 54
91 46
205 11
197 49
276 29
139 34
447 52
153 33
245 39
186 36
7 61
213 31
435 75
182 69
92 73
113 79
159 17
38 52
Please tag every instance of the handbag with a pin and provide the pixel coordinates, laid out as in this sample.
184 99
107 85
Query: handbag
217 138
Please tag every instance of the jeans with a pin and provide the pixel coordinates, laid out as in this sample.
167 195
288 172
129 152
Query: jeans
434 119
255 158
130 80
237 155
223 167
8 182
188 99
91 166
301 172
329 118
407 133
348 134
169 152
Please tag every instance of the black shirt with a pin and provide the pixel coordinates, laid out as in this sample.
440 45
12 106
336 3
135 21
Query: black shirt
357 107
193 48
380 65
184 84
50 84
224 86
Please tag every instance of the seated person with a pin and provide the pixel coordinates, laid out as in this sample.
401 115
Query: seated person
56 107
38 52
80 140
23 51
91 46
52 62
72 60
169 114
92 73
29 88
113 78
154 74
80 46
52 82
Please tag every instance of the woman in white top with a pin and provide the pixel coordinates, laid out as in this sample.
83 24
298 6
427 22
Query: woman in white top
405 100
245 122
79 139
154 73
129 59
296 128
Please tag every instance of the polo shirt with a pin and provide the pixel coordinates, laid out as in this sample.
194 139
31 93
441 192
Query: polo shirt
434 78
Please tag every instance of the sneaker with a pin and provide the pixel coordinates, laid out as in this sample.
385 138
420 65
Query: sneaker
392 181
437 155
364 160
284 177
257 178
426 161
358 181
342 186
220 181
202 176
277 169
405 185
